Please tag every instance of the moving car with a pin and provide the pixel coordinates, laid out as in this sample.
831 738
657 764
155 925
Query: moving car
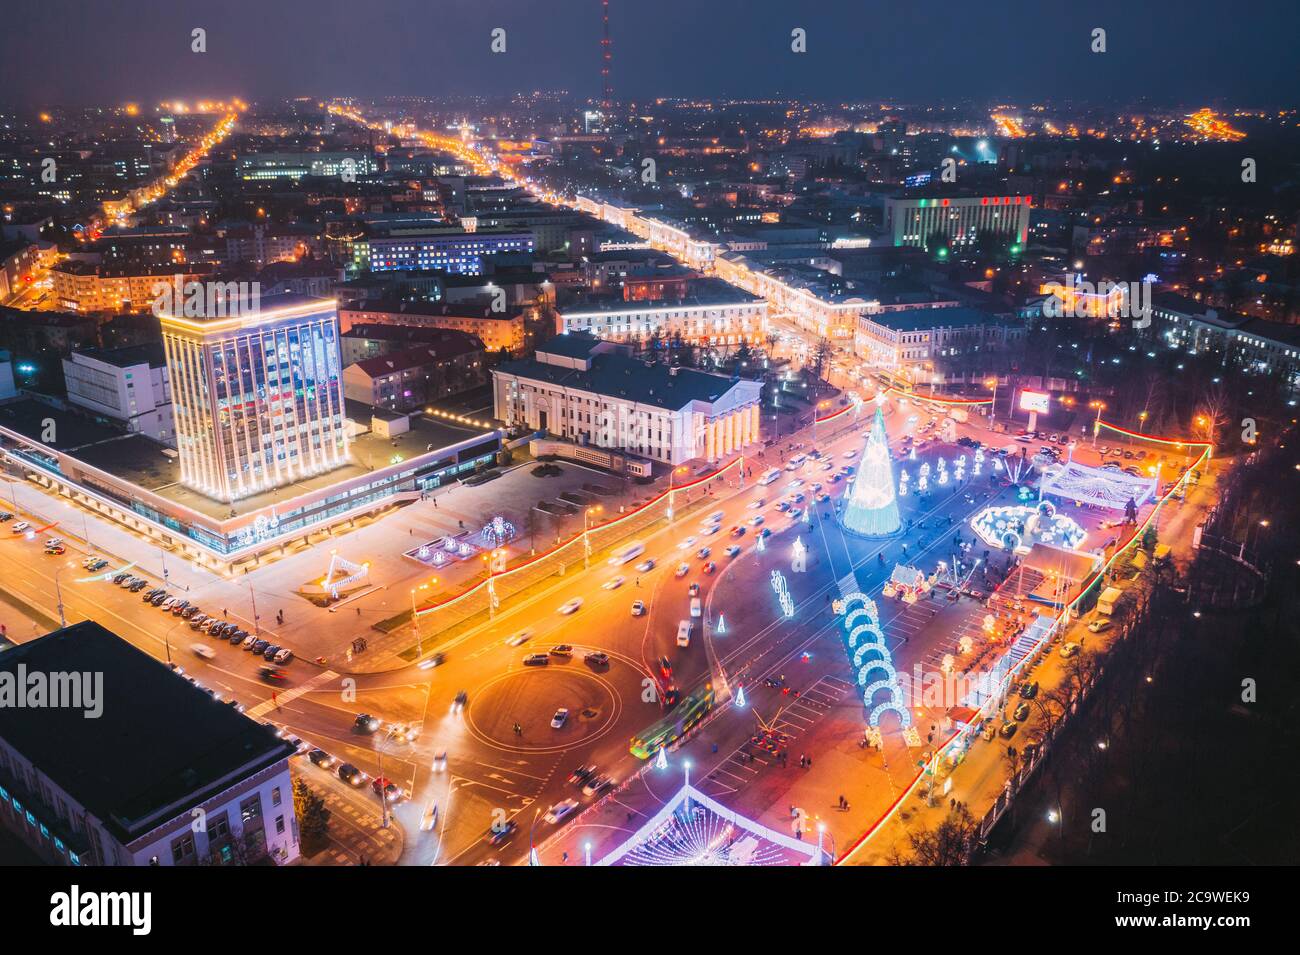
458 704
365 723
560 810
613 583
440 761
437 660
272 674
204 651
519 638
537 660
756 519
500 836
684 633
581 774
703 553
682 570
387 787
733 550
21 527
569 606
560 718
562 650
596 658
638 608
646 565
597 784
710 567
665 668
429 818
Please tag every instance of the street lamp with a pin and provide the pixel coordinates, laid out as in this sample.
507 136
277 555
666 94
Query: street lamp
1099 407
993 408
415 619
383 790
1142 421
671 475
58 592
586 533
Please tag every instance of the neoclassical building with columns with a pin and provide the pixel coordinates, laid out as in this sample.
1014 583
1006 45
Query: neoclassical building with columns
594 392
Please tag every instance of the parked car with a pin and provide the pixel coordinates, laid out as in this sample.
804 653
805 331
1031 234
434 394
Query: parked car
1008 730
1069 650
259 647
1097 626
1021 713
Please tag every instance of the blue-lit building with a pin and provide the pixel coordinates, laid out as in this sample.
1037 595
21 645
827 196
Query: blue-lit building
458 253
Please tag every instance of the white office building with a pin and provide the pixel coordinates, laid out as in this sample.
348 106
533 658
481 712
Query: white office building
594 393
128 386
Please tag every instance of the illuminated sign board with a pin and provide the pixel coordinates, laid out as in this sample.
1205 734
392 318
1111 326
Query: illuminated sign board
1035 401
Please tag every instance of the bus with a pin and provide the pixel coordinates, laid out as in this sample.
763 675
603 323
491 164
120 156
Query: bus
676 724
770 477
635 549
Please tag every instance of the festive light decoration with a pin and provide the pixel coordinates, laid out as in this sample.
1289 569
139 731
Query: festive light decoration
1011 526
870 506
865 644
693 829
497 531
1105 487
721 628
343 573
661 761
782 593
740 695
906 581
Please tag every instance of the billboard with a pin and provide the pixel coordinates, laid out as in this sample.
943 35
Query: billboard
1035 401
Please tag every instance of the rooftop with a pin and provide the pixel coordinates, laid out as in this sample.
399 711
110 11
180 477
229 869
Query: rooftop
618 376
160 747
147 464
150 353
451 345
914 319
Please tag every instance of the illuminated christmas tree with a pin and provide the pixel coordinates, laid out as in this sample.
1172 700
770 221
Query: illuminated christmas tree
870 507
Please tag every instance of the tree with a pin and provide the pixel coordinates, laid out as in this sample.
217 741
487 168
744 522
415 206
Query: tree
313 817
947 844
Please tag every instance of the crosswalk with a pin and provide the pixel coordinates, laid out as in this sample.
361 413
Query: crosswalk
279 699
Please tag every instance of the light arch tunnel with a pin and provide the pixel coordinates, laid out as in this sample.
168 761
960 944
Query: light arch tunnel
865 646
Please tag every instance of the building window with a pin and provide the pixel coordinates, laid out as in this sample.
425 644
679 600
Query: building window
275 796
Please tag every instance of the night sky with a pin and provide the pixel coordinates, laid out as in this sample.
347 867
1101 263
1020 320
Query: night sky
1171 51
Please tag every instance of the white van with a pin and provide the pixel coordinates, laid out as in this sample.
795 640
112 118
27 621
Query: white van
695 607
770 477
684 633
796 462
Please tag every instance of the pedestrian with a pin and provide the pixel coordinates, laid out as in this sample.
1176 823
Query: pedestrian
358 611
564 857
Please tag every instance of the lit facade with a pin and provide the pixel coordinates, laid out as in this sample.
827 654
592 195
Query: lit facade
911 221
258 397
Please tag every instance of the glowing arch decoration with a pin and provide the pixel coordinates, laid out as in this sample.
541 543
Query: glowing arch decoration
864 638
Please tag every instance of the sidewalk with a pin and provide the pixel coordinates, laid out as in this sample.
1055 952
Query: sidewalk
356 835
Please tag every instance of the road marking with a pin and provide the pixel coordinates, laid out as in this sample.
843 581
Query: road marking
292 694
